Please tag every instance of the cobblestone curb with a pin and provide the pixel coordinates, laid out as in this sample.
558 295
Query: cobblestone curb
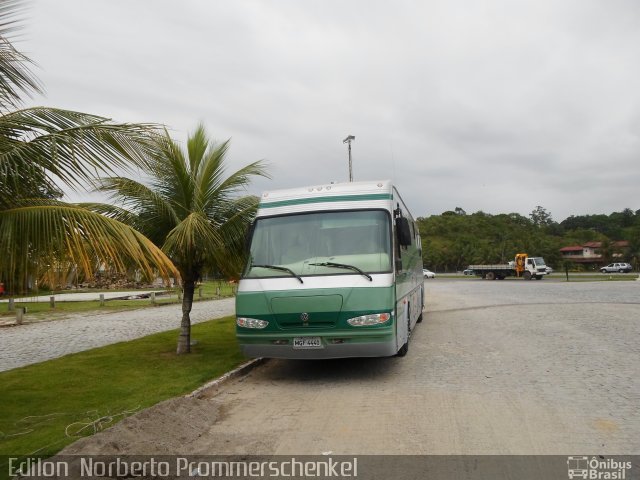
216 384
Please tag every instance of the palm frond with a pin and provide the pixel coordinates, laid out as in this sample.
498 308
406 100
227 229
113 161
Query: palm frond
235 182
212 174
235 221
171 176
38 233
197 146
70 145
137 196
191 240
15 76
116 213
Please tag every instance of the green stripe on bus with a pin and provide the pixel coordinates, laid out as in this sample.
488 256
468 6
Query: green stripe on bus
337 198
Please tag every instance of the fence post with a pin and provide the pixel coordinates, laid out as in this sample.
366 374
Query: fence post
217 291
52 302
102 299
180 294
19 315
153 298
199 292
11 305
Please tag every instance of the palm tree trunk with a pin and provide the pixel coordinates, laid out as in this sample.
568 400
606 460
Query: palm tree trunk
184 340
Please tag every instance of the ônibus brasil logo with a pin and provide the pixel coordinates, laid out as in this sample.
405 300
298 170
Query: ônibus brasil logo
597 468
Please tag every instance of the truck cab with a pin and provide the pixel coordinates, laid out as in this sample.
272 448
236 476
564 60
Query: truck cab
535 268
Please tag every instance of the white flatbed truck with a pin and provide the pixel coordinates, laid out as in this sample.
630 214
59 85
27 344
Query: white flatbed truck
523 266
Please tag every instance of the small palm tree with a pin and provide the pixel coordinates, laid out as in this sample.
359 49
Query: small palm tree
40 147
190 208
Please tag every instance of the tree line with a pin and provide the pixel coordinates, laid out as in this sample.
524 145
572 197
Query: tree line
454 239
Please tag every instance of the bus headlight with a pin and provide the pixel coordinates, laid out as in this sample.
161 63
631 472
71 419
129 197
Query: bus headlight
251 322
371 319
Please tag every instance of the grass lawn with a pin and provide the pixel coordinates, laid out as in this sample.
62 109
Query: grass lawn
39 402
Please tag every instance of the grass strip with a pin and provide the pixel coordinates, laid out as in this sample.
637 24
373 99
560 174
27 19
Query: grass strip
42 404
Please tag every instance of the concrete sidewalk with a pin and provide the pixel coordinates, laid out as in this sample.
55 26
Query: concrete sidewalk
36 342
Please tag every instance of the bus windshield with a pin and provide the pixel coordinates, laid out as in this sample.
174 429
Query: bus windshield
313 243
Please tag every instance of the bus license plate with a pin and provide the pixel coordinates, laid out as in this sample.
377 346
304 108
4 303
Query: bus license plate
307 342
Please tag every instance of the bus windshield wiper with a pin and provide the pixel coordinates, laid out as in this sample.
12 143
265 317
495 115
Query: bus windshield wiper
278 267
343 265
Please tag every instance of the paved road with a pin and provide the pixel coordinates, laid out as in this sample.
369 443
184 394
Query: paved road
37 342
495 368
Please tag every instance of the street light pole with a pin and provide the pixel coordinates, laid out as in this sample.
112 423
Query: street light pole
348 141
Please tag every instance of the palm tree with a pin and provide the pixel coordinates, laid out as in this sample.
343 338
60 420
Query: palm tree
190 208
42 147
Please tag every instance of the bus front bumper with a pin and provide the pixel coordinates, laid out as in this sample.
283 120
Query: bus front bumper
380 344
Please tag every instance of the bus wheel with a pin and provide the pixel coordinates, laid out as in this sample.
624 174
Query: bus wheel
420 317
491 276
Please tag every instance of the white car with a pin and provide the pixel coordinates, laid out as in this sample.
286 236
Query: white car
617 267
428 273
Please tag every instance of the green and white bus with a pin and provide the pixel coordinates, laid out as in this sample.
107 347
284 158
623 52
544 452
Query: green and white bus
334 271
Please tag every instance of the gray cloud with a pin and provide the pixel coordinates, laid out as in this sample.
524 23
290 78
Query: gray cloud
497 106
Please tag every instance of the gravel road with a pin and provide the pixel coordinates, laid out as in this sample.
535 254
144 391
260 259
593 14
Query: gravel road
37 342
496 368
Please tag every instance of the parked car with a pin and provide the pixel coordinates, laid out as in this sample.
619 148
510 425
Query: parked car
617 267
428 273
468 271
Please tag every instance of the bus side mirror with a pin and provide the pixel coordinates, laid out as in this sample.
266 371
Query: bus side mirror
403 231
247 237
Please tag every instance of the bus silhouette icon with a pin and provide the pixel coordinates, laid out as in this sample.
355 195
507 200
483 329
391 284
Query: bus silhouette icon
578 467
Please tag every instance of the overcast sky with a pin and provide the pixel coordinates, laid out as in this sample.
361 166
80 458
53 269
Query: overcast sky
496 105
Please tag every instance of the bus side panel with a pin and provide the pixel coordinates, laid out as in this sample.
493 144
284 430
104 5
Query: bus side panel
409 279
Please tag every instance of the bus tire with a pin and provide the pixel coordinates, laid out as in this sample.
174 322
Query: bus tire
538 277
491 276
420 318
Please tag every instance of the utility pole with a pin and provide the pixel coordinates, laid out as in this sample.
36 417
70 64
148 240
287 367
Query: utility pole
348 141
